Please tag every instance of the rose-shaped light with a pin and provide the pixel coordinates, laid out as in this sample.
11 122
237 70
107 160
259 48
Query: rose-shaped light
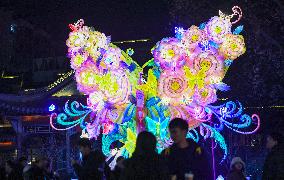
173 86
118 88
95 43
206 95
192 37
217 28
77 60
77 39
233 46
169 53
88 41
212 63
111 58
86 77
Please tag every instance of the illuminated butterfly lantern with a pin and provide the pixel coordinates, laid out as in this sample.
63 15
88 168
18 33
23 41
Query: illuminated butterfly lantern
185 73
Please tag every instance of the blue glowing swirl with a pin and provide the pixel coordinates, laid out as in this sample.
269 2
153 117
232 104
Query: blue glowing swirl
75 111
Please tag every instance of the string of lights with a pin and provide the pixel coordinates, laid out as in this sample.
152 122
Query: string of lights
257 107
58 81
131 41
264 107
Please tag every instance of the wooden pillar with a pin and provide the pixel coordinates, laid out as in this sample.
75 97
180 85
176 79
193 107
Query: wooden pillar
18 128
68 151
19 137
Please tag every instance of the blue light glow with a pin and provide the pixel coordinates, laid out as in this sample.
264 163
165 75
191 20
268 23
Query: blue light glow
51 108
179 32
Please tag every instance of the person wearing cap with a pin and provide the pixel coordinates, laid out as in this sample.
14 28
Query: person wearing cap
273 168
237 169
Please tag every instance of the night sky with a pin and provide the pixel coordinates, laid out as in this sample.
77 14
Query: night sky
123 20
128 20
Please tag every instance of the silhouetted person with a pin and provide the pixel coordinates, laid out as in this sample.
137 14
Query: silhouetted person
237 169
12 172
145 163
93 164
273 168
2 169
36 171
115 174
49 172
185 157
22 163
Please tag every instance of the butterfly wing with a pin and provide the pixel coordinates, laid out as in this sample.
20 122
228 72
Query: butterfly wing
190 77
151 125
164 127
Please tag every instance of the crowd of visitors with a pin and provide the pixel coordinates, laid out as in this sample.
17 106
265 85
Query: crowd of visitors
40 169
183 160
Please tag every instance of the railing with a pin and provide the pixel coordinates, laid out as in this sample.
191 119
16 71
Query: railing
42 129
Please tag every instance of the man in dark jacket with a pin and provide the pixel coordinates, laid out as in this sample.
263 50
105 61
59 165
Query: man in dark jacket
2 169
185 157
36 170
274 164
93 164
21 164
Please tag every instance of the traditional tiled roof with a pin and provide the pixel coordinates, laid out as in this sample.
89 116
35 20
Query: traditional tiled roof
37 101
